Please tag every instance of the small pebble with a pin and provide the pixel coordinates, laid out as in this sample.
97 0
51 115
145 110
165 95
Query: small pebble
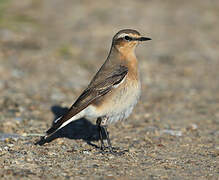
192 127
86 152
172 132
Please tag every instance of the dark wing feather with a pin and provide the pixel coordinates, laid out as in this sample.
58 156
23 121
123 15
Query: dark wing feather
94 91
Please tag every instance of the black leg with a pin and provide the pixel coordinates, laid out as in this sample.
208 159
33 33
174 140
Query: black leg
100 133
102 129
111 149
108 139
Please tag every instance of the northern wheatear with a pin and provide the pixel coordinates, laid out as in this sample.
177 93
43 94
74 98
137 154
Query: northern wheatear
114 90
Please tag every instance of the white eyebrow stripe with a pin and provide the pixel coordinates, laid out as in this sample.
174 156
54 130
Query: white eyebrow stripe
122 35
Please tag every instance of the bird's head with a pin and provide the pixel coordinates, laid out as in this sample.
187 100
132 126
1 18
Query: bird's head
127 39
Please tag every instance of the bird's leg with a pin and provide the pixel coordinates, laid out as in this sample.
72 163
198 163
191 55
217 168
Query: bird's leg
111 149
98 122
102 128
104 131
107 138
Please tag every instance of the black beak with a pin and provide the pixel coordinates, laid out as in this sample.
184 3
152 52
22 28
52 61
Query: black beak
141 39
144 39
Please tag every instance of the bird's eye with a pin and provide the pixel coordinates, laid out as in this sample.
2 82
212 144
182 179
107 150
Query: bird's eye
127 38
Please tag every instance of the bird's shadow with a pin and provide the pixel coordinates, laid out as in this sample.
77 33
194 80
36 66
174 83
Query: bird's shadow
78 129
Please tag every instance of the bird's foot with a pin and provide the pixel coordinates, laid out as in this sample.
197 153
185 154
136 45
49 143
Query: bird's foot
112 150
118 151
102 147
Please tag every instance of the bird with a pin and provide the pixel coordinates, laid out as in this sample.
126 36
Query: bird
112 93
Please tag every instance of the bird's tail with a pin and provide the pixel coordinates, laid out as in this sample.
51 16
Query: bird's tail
54 128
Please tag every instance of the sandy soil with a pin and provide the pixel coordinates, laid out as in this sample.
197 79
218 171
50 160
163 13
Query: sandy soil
50 49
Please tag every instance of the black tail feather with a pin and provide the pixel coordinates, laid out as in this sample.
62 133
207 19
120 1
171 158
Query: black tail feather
51 130
47 139
42 141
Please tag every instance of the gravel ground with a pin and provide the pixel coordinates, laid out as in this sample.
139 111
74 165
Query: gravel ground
50 49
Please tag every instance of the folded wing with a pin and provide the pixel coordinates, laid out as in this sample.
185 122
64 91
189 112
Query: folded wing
96 89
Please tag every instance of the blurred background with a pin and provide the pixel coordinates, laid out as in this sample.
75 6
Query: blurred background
50 49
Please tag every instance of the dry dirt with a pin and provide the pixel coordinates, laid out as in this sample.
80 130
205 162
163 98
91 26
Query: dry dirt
49 51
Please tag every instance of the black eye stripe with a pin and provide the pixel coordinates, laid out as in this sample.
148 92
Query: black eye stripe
127 38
